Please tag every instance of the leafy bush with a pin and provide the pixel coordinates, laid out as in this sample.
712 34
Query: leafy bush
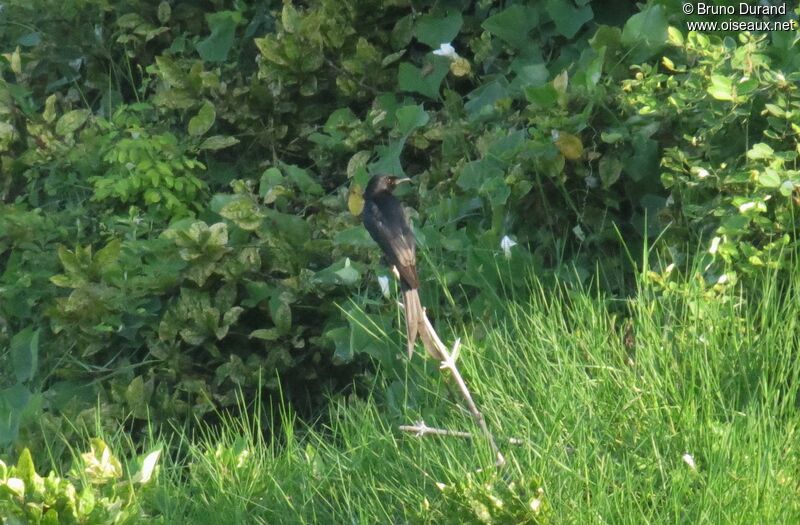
98 495
729 118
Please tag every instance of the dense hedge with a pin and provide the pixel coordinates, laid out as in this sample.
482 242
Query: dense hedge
181 180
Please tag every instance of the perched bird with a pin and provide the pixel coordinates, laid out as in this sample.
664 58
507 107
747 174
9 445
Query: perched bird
386 222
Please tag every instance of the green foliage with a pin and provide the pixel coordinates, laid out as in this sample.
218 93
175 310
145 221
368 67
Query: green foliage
100 495
730 159
150 170
477 500
179 188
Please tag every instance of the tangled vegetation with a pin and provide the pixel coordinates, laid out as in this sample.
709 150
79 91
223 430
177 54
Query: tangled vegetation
180 183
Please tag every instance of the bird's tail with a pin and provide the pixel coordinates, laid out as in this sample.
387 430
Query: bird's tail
414 313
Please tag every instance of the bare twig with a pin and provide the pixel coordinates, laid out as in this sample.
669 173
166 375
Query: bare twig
420 429
435 347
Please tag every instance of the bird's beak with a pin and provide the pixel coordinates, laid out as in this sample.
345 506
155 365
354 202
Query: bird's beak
399 181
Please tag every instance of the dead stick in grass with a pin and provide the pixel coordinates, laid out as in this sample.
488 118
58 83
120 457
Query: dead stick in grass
421 429
435 347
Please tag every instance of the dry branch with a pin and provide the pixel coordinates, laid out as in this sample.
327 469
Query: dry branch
420 429
435 347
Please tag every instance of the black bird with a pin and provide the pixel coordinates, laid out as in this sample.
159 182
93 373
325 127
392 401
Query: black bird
386 222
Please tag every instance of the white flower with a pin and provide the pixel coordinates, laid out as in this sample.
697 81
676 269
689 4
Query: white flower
383 281
446 50
689 460
506 244
714 245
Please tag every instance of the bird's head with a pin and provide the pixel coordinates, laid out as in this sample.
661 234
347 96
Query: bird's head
383 184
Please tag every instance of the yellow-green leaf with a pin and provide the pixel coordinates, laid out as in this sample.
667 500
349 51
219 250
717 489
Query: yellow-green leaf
202 122
355 199
49 114
569 145
71 121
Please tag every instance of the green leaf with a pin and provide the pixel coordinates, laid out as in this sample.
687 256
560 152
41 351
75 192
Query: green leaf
290 18
49 114
25 353
130 21
294 229
71 121
30 39
392 58
610 170
721 88
8 134
202 122
568 18
340 337
402 32
223 24
436 30
496 190
542 96
108 255
410 118
271 178
26 471
513 25
348 275
229 318
136 396
415 80
482 100
280 312
217 234
304 182
388 160
69 261
644 162
265 334
645 33
164 12
218 142
786 189
760 151
243 212
476 173
769 178
356 236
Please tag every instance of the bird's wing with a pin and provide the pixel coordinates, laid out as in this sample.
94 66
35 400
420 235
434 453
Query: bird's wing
388 226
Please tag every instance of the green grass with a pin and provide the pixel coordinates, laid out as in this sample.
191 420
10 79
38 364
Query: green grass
605 419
